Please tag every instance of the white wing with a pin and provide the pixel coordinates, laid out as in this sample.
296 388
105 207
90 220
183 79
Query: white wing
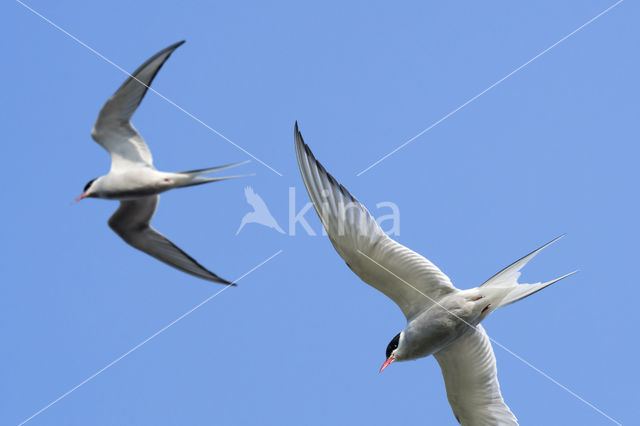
113 129
403 275
131 223
471 378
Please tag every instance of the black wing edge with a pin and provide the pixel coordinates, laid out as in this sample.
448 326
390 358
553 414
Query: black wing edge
133 75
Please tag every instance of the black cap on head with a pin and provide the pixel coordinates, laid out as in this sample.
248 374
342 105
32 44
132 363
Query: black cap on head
88 184
393 345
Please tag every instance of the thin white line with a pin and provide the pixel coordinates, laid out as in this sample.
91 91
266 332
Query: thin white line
136 347
555 381
490 87
498 343
150 88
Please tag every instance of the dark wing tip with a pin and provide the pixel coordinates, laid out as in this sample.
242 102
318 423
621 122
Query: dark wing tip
211 276
169 50
215 278
299 141
173 46
223 281
166 51
145 81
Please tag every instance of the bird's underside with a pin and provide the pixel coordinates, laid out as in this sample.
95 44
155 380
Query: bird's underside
133 179
417 286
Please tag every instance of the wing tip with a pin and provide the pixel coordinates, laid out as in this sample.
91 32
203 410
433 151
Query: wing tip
175 45
297 135
216 279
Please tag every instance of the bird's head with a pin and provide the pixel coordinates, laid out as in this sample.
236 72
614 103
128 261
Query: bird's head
88 191
392 349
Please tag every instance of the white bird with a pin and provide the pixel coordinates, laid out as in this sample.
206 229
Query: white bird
441 320
134 180
260 213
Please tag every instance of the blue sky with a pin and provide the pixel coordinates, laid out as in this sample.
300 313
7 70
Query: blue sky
552 149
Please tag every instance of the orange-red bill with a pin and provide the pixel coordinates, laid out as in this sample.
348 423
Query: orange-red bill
386 363
79 198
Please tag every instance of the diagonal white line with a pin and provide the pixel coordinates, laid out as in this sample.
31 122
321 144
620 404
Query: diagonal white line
435 302
489 88
100 55
136 347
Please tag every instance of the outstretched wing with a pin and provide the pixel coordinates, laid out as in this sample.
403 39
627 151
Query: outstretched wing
113 129
403 275
131 223
471 378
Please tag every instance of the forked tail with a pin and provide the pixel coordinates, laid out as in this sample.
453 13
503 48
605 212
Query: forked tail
213 169
197 177
507 281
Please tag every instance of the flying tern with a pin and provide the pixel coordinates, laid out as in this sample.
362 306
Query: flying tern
134 180
441 320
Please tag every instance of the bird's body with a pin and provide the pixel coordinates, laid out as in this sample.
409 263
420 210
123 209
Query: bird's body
439 325
441 320
133 180
140 182
133 183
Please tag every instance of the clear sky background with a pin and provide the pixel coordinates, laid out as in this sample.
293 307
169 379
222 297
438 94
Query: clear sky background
553 149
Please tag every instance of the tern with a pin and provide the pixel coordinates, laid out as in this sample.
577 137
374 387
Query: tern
134 180
441 320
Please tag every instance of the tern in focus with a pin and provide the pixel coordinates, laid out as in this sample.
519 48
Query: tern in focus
134 181
442 320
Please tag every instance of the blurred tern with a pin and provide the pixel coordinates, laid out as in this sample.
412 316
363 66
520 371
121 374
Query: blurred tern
134 181
441 320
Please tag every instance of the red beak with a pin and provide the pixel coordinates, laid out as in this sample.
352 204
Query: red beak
84 194
386 363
